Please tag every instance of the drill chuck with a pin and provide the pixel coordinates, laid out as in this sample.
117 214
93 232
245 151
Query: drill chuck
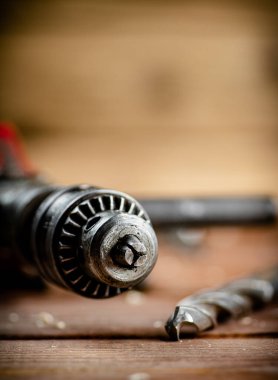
95 242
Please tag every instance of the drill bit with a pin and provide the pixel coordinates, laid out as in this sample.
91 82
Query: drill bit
203 311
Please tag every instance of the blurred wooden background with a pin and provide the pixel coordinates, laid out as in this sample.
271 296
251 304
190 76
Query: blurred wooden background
150 97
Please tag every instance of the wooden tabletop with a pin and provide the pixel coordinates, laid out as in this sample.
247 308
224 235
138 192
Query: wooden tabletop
55 334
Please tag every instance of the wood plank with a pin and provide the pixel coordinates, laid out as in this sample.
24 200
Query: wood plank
129 316
220 255
119 359
58 334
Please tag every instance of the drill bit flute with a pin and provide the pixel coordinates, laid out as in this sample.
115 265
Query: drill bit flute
203 311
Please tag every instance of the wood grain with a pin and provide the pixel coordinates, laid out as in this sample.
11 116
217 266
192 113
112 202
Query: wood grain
58 334
117 359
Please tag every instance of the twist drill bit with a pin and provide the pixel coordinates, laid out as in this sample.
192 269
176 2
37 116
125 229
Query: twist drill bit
96 242
205 310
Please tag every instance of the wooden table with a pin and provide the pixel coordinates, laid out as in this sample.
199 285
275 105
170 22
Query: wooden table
55 334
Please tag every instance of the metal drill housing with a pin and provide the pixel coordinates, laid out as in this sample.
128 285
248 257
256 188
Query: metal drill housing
95 242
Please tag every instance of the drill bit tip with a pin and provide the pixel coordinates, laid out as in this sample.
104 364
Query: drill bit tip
189 320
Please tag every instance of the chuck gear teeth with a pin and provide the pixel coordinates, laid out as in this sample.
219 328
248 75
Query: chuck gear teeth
68 248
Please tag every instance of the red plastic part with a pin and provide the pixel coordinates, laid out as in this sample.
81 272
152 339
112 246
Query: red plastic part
14 161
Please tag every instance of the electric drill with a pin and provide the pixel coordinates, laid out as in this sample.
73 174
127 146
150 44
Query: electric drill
93 241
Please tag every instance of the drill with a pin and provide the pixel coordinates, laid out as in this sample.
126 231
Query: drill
93 241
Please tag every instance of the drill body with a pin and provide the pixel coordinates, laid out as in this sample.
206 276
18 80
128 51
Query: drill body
94 241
